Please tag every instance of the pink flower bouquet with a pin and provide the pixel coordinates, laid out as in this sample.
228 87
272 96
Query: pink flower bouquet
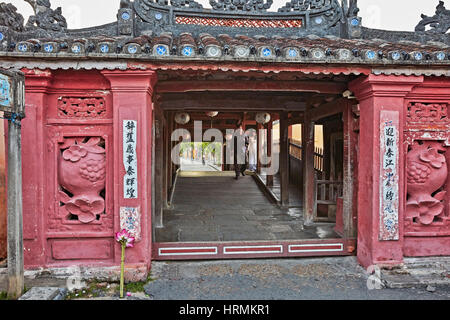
126 241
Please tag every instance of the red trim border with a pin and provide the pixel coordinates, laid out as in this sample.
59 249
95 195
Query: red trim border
252 249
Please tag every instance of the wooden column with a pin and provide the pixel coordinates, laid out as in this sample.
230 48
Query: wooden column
224 156
284 159
159 171
269 178
308 167
349 176
165 162
173 166
168 165
326 152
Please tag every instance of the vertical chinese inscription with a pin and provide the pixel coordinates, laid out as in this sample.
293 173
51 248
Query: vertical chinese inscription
389 189
130 182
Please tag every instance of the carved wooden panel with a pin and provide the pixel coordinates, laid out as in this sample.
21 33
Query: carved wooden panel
85 107
427 113
240 23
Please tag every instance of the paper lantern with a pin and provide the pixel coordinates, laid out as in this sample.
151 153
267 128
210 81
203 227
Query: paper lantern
182 118
262 118
212 114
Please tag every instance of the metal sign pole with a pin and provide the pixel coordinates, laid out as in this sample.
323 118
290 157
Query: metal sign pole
12 104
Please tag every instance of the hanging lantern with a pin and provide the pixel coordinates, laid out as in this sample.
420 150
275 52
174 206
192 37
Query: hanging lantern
262 118
212 114
182 118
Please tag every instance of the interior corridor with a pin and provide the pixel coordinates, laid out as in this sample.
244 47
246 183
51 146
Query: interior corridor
213 206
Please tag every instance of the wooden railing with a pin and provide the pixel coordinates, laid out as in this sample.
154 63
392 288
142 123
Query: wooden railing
318 159
326 193
295 150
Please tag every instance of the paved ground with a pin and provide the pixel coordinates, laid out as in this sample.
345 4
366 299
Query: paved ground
195 165
333 278
220 208
339 278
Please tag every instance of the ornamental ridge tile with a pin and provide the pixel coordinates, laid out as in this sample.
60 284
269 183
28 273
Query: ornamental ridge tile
327 31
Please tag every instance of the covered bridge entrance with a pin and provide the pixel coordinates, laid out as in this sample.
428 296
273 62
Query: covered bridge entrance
354 120
290 201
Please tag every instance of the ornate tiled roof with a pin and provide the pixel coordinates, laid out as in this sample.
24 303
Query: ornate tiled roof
301 32
310 49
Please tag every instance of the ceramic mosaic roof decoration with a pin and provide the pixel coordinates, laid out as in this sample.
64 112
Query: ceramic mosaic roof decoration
302 31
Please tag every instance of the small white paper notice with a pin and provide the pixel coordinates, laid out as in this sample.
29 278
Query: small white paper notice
130 181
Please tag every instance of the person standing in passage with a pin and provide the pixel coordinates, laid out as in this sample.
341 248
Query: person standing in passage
241 143
252 152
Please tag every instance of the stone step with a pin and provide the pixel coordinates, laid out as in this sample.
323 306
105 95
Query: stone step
44 293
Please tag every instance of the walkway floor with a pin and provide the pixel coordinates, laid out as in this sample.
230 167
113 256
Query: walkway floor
216 207
295 196
195 165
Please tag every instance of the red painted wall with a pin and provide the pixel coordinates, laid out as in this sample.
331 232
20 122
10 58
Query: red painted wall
72 110
73 167
392 93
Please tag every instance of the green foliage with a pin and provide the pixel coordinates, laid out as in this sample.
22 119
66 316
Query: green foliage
137 286
97 288
94 289
3 295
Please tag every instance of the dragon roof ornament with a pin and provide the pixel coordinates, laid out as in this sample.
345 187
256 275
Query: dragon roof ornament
302 31
9 17
241 5
45 17
439 23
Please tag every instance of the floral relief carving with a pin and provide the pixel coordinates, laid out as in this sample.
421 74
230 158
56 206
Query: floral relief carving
427 113
82 178
81 107
427 174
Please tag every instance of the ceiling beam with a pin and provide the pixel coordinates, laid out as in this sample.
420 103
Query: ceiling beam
252 85
221 102
327 110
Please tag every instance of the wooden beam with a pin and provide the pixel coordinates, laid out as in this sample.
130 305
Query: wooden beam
296 120
231 102
308 167
327 110
196 116
231 85
316 100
